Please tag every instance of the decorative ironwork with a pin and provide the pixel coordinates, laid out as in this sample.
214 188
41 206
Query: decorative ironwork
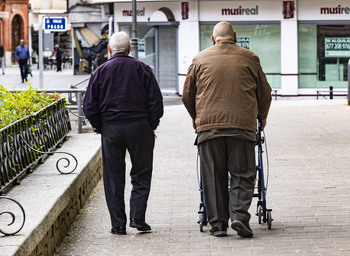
43 130
59 160
12 215
70 111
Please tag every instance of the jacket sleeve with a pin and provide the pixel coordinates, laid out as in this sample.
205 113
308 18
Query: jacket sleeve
16 53
91 103
155 100
263 92
189 92
28 55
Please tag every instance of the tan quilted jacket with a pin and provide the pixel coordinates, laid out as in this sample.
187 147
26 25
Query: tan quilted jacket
225 87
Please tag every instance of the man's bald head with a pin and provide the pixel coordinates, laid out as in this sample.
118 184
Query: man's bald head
224 30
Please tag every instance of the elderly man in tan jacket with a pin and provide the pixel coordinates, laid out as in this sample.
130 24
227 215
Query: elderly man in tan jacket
225 92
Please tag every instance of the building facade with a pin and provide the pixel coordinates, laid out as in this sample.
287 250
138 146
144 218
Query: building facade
303 45
13 26
40 9
90 30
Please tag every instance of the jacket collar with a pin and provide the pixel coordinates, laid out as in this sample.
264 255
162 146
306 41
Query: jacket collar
225 41
120 54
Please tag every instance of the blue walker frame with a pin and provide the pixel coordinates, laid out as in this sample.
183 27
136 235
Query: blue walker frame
264 214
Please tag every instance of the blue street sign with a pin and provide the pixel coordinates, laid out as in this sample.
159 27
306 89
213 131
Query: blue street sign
55 24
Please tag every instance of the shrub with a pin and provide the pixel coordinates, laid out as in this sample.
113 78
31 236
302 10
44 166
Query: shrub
19 104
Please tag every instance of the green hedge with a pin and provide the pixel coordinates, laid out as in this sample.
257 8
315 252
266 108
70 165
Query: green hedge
14 106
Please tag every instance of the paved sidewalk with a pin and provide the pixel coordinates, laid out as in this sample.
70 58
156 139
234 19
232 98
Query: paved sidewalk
51 79
309 191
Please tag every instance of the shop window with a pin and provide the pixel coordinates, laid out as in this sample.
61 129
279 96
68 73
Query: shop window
324 51
263 40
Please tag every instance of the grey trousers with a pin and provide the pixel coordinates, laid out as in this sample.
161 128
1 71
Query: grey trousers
138 138
218 157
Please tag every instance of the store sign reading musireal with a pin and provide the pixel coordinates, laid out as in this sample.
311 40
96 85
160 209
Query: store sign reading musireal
240 11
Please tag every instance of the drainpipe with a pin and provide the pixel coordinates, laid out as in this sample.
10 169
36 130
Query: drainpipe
134 40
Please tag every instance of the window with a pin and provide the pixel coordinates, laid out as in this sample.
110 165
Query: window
324 51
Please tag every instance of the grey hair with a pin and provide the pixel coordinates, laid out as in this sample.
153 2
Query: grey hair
119 42
223 30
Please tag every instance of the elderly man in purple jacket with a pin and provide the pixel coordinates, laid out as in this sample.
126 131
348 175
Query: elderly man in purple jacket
123 102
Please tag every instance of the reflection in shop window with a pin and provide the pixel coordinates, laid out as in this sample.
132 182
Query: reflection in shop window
146 50
324 51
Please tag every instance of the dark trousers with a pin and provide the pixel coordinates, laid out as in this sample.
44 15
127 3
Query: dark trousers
59 64
138 138
218 157
23 66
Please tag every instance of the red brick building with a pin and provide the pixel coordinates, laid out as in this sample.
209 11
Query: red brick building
14 28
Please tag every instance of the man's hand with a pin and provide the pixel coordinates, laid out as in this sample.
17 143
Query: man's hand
263 123
194 124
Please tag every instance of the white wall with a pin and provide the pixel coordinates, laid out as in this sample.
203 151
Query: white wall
188 42
188 48
289 57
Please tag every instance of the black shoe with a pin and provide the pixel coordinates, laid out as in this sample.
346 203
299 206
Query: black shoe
141 225
242 229
119 231
22 81
218 231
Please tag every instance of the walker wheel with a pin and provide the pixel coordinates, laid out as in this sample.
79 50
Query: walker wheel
201 218
269 219
201 226
259 213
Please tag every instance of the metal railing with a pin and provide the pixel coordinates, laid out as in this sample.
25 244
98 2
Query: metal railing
15 214
24 143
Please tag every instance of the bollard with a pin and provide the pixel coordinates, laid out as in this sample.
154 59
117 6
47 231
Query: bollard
331 92
349 82
80 112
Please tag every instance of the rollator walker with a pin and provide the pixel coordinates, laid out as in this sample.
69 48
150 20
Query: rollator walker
264 214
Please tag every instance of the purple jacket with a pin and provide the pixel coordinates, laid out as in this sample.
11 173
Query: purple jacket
123 90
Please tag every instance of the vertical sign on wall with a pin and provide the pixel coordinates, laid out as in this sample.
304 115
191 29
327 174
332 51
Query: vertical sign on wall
142 48
288 9
184 10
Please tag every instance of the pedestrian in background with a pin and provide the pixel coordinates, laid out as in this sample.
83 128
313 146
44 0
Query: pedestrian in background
123 102
58 54
22 56
2 59
225 91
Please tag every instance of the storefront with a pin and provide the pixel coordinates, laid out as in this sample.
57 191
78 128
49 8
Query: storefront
303 45
324 44
157 31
